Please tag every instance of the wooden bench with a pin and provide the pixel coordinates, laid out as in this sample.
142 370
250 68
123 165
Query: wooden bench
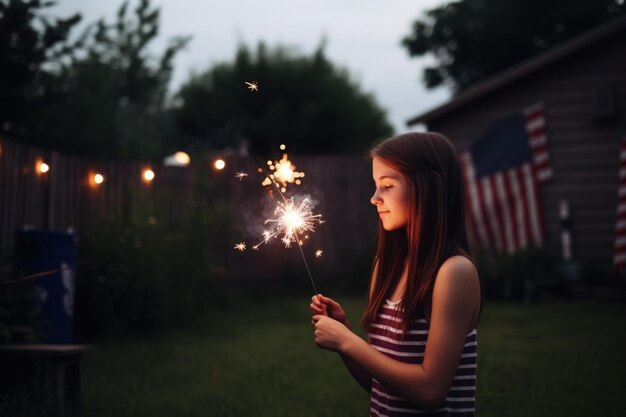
50 374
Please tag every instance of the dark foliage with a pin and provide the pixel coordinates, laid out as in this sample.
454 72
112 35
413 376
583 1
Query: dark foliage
103 94
474 39
304 101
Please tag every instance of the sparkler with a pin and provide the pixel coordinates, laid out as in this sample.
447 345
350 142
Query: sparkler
291 219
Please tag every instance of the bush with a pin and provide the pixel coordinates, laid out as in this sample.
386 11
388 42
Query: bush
144 271
20 307
526 274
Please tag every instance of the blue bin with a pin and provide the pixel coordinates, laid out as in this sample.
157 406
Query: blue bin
54 253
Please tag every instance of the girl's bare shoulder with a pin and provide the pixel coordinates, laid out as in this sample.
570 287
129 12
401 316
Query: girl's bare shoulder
458 269
458 264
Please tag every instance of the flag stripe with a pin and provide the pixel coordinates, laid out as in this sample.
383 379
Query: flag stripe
523 190
520 235
535 126
497 224
531 195
483 224
474 220
619 254
505 209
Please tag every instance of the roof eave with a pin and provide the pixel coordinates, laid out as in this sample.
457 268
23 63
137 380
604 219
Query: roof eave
523 69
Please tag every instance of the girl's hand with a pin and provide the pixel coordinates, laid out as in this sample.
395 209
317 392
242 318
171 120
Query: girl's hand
328 307
329 333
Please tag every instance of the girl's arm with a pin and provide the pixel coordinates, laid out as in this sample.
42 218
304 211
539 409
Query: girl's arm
456 298
324 306
330 308
359 374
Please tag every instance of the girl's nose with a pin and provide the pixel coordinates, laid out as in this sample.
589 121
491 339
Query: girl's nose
376 200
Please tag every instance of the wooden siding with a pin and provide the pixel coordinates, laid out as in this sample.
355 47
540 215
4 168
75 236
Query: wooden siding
584 150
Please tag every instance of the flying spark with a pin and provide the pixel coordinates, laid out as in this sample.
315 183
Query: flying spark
240 175
318 253
240 246
253 86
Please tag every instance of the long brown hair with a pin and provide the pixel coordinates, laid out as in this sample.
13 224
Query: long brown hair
436 226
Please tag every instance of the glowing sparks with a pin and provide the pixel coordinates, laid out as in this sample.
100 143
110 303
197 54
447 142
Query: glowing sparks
241 246
290 220
284 172
253 86
318 253
240 175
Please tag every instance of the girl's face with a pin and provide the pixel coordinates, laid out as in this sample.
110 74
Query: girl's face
391 196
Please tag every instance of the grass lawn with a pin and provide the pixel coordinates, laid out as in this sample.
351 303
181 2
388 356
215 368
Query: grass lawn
259 360
560 358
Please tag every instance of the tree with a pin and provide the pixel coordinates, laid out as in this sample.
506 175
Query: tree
474 39
103 94
109 99
303 101
28 42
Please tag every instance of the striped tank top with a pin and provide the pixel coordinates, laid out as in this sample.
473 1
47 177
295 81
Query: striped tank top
385 335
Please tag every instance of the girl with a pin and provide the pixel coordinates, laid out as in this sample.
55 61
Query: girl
424 297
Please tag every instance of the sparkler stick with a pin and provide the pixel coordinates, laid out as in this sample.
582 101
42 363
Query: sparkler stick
295 231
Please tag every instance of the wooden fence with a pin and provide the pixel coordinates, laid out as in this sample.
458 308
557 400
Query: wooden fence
66 195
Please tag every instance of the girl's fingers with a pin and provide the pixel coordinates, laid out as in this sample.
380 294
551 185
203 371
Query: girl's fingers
317 309
332 302
328 301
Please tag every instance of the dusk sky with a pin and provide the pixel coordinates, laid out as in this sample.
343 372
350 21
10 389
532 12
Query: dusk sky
362 36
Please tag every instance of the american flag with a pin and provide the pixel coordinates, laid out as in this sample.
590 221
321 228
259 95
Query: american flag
502 172
619 255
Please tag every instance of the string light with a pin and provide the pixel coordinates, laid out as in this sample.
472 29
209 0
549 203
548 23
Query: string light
182 158
179 159
97 179
219 164
42 167
148 175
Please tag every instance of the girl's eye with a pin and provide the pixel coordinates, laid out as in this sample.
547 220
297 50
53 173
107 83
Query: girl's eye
387 187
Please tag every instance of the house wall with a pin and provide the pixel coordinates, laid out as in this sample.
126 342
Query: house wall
584 149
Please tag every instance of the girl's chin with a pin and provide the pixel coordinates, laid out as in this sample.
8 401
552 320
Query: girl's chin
390 228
